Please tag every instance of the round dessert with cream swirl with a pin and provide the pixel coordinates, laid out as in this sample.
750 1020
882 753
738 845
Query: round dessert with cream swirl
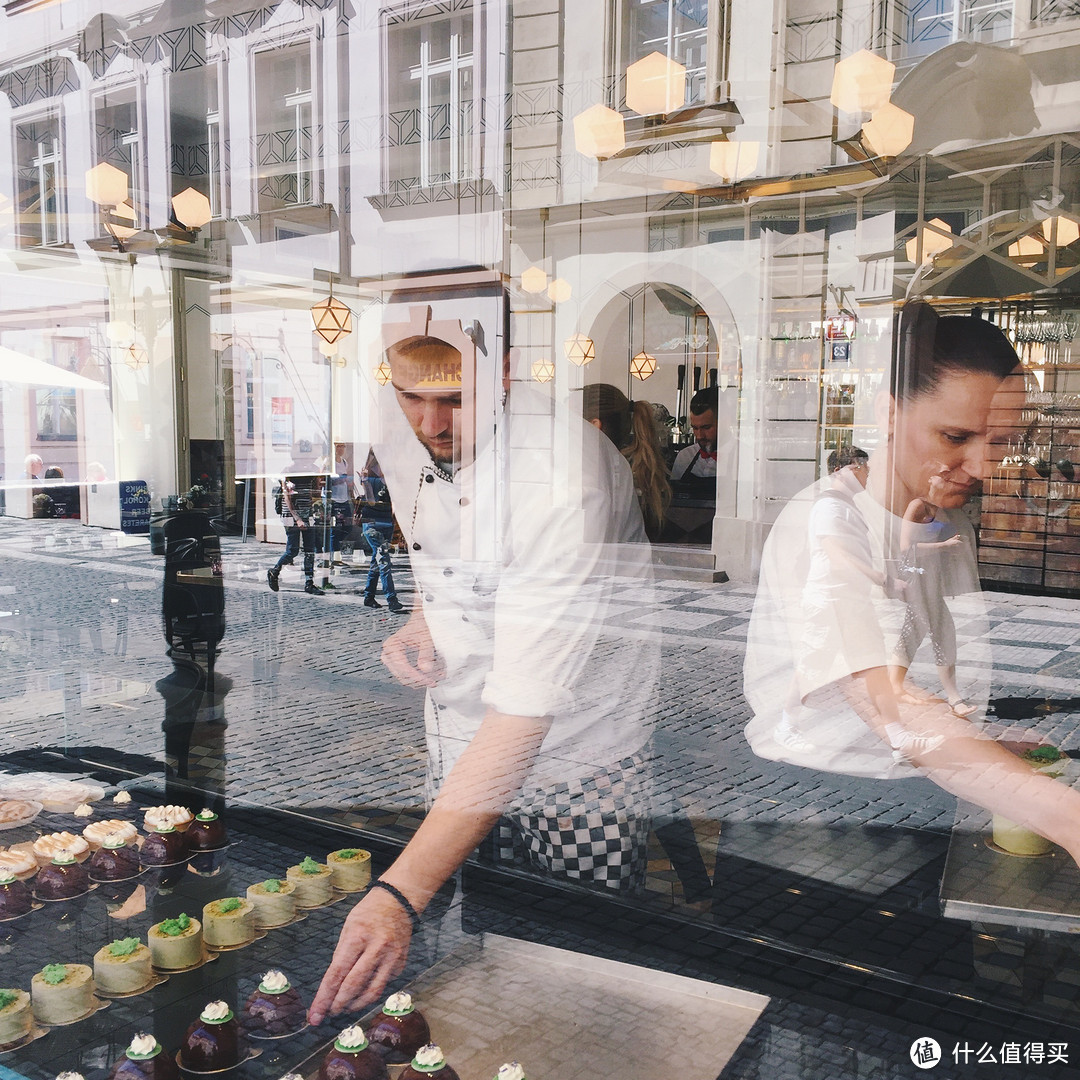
274 1008
115 860
15 898
16 1019
62 879
20 863
206 832
158 818
46 847
352 1057
213 1041
400 1029
510 1071
145 1059
96 832
428 1061
122 798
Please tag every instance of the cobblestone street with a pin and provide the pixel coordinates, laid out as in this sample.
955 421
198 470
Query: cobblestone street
301 681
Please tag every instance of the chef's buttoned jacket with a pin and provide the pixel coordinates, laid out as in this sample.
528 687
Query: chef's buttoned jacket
521 559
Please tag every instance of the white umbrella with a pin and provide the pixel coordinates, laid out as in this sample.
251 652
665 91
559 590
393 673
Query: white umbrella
16 367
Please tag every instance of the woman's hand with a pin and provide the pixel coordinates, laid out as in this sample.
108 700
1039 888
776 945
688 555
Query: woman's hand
371 950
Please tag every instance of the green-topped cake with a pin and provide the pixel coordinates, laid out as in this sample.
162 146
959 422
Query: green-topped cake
122 967
176 944
350 869
229 921
312 882
61 993
16 1019
274 902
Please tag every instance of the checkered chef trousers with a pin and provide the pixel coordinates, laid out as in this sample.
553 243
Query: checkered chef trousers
593 830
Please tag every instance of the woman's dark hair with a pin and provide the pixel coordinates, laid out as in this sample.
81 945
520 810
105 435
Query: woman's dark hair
929 346
631 427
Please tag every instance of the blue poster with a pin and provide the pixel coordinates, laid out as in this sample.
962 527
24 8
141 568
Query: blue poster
134 507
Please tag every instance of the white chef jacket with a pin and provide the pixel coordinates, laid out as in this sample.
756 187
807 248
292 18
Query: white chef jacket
519 560
817 621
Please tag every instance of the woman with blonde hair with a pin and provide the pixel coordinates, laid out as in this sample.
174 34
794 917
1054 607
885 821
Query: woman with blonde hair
631 427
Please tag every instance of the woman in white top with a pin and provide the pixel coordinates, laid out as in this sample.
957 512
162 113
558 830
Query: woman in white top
955 379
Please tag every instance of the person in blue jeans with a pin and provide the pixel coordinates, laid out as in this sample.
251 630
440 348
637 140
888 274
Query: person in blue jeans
377 525
296 514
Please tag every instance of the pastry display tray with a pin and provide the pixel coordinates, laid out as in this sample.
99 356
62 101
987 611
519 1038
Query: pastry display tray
573 1016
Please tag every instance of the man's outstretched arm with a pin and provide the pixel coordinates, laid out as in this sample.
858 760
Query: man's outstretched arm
374 941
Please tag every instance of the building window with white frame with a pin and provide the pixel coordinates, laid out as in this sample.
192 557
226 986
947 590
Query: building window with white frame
39 195
433 112
286 137
921 27
119 141
677 29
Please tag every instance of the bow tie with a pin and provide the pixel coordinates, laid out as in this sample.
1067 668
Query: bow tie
707 455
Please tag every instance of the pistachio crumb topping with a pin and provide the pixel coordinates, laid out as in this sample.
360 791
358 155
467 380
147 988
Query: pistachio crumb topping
124 946
175 927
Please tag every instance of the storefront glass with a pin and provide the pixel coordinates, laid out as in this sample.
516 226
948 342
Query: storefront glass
629 449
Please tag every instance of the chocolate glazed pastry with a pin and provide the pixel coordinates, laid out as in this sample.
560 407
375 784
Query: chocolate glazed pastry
212 1041
15 898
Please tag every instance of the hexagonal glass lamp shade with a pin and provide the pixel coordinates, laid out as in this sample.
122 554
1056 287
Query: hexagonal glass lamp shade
332 319
120 221
1068 231
534 280
734 161
1027 247
559 290
135 356
192 208
889 133
862 82
106 185
599 132
543 370
932 242
655 84
382 373
579 349
642 366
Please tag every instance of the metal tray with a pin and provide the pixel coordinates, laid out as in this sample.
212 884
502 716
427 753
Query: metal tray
576 1017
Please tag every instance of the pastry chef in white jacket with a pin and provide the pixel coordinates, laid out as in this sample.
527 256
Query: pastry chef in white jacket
521 529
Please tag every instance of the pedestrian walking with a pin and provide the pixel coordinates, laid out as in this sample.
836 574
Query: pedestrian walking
377 525
295 503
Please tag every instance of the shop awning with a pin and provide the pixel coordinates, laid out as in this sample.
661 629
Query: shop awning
17 367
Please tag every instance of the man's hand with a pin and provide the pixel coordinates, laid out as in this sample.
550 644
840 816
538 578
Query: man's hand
409 655
371 950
